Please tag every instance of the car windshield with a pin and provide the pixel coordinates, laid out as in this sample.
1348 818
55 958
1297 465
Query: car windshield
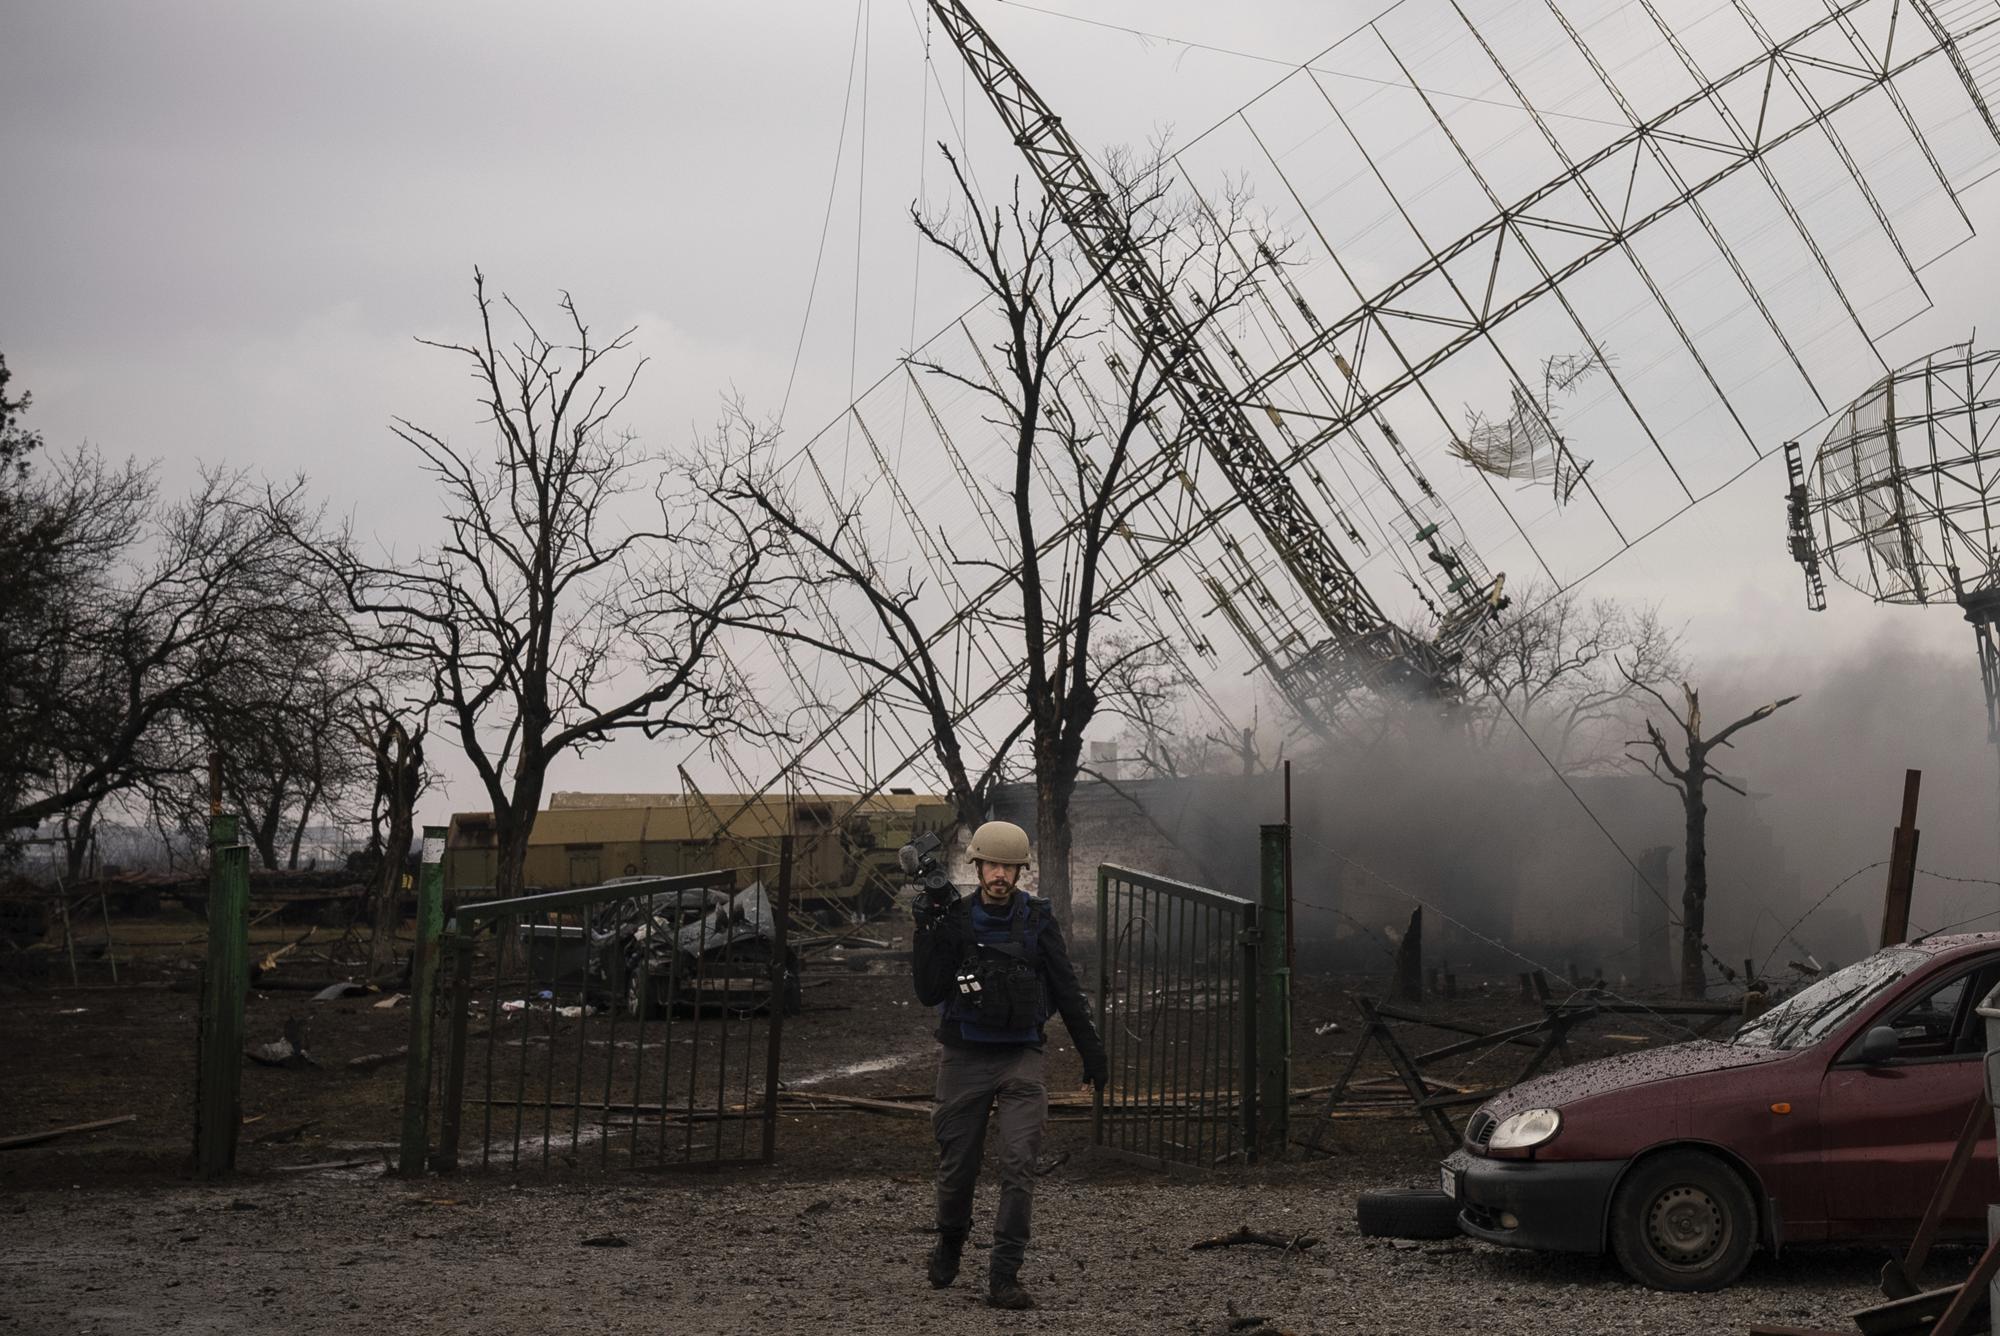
1811 1014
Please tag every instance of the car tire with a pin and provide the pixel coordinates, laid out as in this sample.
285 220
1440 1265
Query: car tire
1407 1213
1683 1221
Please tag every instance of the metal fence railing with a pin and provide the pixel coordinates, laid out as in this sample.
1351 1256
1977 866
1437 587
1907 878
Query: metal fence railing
1177 994
634 1024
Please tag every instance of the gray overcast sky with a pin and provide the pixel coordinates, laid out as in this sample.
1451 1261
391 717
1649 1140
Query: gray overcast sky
225 221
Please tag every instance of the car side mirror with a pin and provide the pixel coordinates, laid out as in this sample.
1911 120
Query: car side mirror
1879 1045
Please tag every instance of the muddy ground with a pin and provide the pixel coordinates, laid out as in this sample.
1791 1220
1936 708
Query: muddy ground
106 1233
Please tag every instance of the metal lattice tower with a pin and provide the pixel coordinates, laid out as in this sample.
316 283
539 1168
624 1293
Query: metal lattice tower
1716 132
1901 498
1364 642
1723 214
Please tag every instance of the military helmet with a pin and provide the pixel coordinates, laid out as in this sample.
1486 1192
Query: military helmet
999 842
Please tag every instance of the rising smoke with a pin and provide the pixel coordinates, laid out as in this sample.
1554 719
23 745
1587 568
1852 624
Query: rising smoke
1516 873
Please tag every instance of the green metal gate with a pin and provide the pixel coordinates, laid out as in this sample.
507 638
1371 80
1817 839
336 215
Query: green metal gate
637 1024
1177 990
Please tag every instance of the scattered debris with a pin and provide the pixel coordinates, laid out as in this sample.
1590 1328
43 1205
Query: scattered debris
37 1138
281 1135
289 1051
1245 1234
1245 1324
370 1061
269 963
313 1168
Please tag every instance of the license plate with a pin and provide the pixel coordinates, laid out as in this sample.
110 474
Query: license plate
1448 1181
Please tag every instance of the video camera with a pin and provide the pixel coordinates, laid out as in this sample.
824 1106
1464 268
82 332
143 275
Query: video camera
921 865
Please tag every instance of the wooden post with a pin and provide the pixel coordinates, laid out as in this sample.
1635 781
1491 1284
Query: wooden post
219 1039
1902 866
1274 997
1409 982
423 1006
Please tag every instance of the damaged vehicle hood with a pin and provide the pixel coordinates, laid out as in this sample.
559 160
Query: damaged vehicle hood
746 917
1697 1057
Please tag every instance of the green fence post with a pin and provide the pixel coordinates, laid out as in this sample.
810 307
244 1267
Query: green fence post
218 1110
1103 998
423 1006
1274 994
452 1106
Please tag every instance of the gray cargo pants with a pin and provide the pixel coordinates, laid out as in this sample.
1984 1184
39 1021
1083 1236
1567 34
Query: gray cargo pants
971 1084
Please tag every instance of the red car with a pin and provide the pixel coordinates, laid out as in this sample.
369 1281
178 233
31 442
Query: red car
1828 1118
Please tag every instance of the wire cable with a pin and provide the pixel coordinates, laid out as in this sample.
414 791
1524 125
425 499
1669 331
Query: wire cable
1588 811
860 226
1145 35
1576 986
826 223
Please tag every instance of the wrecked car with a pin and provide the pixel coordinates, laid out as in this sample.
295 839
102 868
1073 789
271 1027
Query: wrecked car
702 948
1828 1118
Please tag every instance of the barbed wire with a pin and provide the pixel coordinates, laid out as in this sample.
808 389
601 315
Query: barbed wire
1815 908
1669 1027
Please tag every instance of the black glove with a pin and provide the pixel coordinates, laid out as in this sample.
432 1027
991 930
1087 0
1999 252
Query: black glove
1095 1070
946 928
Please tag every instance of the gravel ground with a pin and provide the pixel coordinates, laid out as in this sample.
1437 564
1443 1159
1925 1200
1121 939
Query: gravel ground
352 1253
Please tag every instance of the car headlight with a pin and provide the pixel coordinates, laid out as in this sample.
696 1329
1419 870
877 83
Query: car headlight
1528 1128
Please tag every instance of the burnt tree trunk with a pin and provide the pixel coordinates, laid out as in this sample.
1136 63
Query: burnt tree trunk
1694 896
263 832
1053 836
77 835
399 768
306 805
1690 779
511 830
1408 985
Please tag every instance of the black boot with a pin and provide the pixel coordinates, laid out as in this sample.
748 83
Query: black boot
942 1267
1004 1291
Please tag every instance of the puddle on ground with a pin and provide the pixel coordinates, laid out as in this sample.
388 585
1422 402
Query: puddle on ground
866 1067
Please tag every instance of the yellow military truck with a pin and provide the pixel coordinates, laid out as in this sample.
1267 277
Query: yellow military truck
843 852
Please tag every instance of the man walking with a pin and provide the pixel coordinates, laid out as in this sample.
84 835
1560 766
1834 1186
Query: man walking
995 966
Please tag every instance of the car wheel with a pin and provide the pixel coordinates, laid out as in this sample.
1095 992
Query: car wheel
1407 1213
1683 1221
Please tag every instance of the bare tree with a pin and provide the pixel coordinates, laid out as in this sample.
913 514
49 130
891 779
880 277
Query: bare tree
280 728
823 559
1149 691
1690 777
575 596
394 732
147 611
1571 673
1086 428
